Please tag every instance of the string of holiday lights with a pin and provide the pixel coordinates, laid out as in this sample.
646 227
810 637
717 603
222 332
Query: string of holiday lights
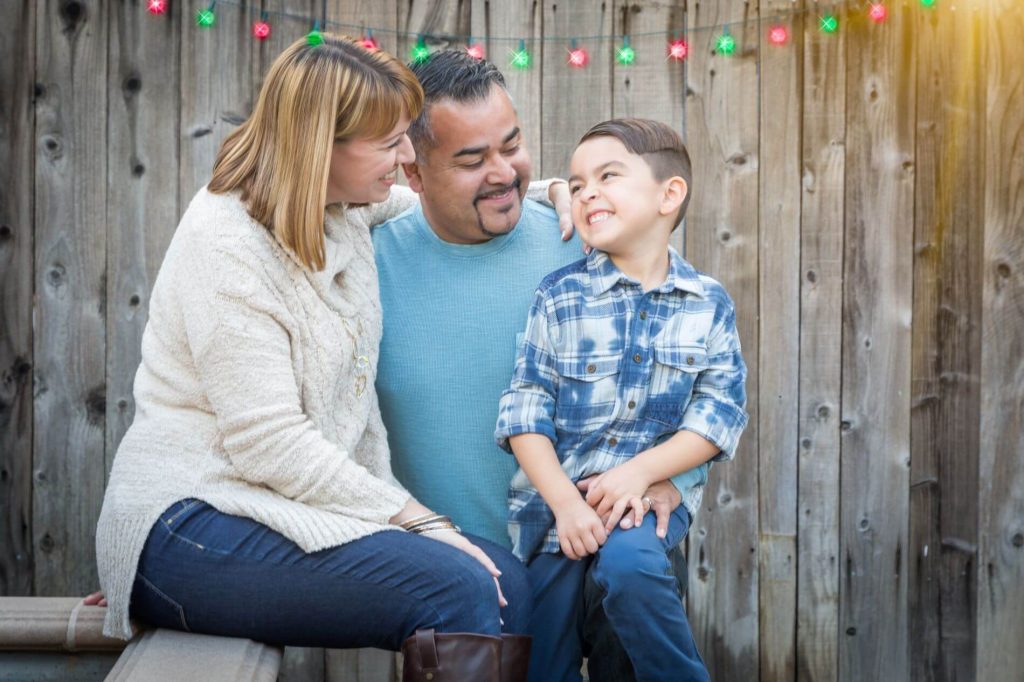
577 56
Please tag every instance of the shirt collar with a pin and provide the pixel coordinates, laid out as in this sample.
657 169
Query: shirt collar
604 274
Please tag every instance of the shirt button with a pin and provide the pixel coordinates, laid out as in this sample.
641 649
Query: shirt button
591 368
613 441
631 404
638 358
689 359
643 314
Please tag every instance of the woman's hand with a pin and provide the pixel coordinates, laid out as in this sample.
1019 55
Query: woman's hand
580 531
459 541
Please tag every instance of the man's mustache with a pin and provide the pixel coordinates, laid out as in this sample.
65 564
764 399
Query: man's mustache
515 184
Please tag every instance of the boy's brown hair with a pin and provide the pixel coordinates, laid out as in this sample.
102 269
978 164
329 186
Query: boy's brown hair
656 143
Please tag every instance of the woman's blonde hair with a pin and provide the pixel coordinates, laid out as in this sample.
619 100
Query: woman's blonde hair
313 96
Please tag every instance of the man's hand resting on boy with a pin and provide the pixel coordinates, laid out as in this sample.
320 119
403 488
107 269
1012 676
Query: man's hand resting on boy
620 488
580 530
664 497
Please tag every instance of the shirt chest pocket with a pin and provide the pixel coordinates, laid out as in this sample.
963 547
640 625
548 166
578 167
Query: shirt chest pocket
587 391
676 367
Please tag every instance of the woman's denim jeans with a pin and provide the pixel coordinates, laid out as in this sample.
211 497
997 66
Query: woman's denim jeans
205 571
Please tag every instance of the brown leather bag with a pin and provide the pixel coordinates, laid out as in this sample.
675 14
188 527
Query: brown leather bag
451 657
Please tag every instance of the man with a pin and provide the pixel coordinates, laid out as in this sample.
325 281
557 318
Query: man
457 277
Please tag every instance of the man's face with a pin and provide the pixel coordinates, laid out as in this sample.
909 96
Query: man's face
473 180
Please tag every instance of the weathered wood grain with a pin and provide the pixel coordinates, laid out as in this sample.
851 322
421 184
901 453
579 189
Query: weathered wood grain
574 99
876 346
1000 638
142 189
946 345
722 240
779 316
70 264
821 327
218 69
17 146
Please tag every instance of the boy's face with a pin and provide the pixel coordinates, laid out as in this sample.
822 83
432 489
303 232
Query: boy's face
616 201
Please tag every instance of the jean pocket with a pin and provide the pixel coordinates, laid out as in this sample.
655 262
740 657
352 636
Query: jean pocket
152 605
177 510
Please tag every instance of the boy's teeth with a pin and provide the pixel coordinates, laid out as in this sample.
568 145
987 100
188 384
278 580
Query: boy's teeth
599 217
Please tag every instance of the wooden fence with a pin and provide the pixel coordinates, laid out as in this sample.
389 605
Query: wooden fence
860 193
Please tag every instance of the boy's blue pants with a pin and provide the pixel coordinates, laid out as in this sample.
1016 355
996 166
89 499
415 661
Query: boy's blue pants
642 603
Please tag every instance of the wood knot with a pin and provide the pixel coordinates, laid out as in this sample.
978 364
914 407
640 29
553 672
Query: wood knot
812 276
56 276
1017 540
1003 270
5 233
51 143
132 84
96 405
72 14
46 544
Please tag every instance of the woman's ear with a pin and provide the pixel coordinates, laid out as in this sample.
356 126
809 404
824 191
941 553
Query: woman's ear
673 195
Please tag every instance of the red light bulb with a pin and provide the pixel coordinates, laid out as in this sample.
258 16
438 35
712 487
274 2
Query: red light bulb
678 49
878 12
370 43
778 35
476 51
578 57
260 30
156 6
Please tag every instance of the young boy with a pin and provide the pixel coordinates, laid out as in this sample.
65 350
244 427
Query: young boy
631 371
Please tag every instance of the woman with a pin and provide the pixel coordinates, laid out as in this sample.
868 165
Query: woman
252 495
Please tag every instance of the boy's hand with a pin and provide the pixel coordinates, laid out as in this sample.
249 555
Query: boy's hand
580 531
616 485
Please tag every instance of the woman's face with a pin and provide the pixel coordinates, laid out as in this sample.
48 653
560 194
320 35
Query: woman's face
363 169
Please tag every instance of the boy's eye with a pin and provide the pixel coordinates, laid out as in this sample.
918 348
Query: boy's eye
573 189
607 174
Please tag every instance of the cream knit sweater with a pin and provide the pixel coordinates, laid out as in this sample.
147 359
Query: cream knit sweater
256 390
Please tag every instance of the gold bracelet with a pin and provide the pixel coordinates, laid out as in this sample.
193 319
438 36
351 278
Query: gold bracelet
437 518
439 530
416 520
440 525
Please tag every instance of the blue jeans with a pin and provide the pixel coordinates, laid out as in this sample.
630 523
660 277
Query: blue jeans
205 571
641 602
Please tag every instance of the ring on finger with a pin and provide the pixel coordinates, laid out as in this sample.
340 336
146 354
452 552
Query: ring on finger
648 502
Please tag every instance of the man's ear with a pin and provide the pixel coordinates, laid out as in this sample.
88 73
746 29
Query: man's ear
675 191
412 174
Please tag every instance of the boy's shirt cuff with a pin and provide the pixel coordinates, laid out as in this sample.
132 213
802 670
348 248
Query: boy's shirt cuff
718 422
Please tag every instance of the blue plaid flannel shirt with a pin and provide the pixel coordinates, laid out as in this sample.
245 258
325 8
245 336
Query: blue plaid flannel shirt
607 371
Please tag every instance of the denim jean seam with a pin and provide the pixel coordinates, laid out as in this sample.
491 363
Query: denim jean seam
185 506
160 593
192 543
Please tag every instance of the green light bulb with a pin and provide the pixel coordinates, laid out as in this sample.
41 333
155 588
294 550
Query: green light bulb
420 53
315 38
829 23
625 55
725 44
205 18
928 3
521 59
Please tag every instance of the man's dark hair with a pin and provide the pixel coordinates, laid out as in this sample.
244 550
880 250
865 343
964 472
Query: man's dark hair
656 143
450 75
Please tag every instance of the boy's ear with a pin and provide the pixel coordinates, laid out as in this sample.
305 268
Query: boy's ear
412 174
673 196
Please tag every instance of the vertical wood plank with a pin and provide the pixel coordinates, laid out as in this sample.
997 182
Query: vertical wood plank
70 260
442 24
1000 649
821 298
574 99
142 189
17 144
722 240
946 345
218 66
493 23
779 334
876 345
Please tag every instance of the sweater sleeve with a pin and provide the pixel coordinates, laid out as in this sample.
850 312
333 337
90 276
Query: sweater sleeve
238 335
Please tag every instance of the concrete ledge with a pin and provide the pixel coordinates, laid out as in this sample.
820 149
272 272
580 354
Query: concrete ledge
170 656
53 624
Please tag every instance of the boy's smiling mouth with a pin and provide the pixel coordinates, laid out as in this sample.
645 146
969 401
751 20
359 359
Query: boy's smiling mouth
598 216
